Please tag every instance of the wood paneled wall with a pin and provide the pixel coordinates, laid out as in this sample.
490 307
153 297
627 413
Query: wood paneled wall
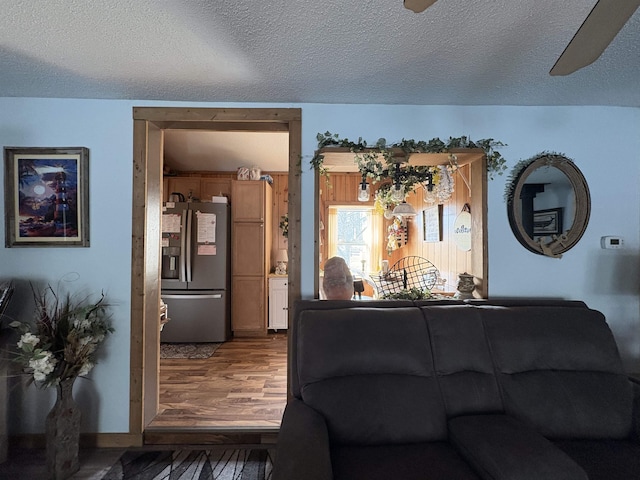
341 188
450 260
280 207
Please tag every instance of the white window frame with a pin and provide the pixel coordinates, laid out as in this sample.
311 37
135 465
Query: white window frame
375 242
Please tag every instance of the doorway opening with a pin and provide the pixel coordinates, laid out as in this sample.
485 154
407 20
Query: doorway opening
398 237
149 126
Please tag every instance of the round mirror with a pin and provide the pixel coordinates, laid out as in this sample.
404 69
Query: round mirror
548 204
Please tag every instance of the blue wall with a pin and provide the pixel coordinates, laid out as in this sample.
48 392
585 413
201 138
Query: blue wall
604 142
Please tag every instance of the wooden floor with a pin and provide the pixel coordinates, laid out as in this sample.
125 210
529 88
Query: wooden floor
243 385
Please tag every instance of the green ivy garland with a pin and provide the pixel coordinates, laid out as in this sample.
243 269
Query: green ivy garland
495 161
412 294
519 167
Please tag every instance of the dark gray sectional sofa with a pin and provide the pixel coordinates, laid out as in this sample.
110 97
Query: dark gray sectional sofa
450 390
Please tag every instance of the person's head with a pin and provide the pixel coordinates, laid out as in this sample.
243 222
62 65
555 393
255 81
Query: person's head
337 282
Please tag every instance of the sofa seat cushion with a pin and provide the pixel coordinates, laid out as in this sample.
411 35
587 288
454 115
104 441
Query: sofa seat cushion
503 448
605 459
421 461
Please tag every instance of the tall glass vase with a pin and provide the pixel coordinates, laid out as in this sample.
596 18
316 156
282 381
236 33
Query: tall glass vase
63 433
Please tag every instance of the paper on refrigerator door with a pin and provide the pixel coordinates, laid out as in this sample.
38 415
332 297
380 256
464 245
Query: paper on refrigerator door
171 222
207 249
206 227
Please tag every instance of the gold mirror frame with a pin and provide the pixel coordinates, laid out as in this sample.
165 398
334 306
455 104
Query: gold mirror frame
552 245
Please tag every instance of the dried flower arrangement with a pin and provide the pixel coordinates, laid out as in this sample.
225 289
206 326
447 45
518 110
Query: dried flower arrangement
66 338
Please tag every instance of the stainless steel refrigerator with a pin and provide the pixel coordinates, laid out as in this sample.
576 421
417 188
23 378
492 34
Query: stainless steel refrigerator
195 272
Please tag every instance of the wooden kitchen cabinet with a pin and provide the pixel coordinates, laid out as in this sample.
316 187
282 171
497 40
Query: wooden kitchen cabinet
248 253
210 187
250 256
248 306
187 186
278 302
249 201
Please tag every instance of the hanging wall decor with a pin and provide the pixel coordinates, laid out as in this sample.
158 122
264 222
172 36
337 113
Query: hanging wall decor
46 196
462 229
548 204
432 223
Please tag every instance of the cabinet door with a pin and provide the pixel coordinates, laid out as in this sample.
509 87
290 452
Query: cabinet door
248 249
248 306
185 185
248 201
210 187
278 303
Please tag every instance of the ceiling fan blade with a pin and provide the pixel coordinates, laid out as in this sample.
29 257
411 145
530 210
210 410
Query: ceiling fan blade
418 5
596 33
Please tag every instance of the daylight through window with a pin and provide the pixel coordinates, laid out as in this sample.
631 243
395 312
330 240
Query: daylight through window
355 234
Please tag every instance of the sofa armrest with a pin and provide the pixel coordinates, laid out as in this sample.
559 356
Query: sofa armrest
502 447
635 386
303 449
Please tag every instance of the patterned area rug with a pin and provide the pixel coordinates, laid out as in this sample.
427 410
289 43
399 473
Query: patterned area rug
188 350
243 464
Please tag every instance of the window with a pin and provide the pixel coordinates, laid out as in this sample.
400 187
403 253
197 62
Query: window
355 234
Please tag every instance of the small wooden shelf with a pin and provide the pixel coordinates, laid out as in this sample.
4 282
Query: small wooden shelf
342 159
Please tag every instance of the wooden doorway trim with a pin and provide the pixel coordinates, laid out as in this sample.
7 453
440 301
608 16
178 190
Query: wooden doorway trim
148 126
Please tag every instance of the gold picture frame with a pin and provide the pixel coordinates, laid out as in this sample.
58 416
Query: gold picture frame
46 196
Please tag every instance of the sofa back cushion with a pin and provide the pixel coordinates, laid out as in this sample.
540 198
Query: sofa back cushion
559 370
462 360
369 372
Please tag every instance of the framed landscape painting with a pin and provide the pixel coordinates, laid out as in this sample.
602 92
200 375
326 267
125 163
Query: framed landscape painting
46 196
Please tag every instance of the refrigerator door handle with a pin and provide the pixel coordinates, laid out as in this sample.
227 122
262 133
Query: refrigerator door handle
192 297
182 275
189 242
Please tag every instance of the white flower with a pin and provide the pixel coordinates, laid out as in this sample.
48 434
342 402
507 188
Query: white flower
81 324
28 339
43 366
86 368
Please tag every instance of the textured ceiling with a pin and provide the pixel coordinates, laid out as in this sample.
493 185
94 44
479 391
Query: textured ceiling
457 52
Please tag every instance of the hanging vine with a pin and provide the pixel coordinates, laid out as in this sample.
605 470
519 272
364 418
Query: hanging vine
372 166
549 157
